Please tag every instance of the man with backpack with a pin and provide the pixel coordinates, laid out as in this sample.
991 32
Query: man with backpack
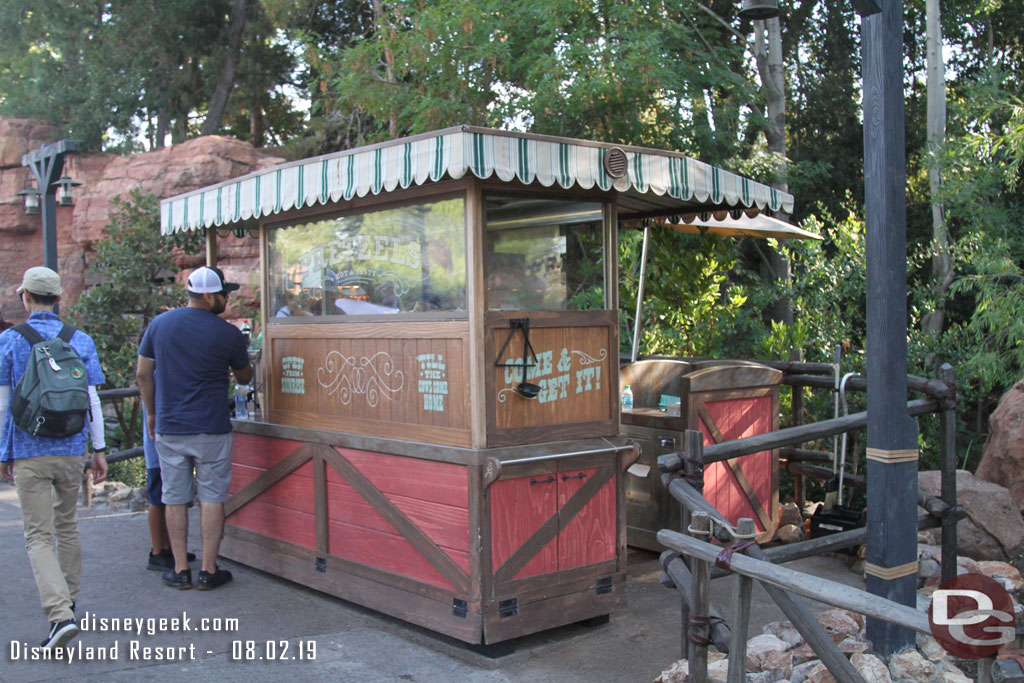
48 400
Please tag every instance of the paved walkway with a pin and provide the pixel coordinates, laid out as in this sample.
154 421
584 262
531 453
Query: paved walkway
320 637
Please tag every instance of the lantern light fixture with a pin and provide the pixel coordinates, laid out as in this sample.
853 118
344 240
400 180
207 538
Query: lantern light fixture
64 185
31 196
759 9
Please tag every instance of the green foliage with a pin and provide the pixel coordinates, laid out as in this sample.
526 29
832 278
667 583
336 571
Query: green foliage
106 72
688 296
129 472
61 62
135 268
642 73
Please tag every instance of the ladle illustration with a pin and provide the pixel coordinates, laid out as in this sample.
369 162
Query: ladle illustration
524 388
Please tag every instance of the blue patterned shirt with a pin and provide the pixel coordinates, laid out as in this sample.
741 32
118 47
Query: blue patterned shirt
14 355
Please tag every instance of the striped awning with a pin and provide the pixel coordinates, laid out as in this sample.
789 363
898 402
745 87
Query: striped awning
651 182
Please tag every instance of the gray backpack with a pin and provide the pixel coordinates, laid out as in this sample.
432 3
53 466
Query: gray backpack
52 398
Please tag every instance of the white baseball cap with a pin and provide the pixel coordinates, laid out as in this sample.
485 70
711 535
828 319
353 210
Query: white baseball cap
207 280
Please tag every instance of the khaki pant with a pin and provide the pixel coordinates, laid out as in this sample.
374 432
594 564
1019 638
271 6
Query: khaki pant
48 491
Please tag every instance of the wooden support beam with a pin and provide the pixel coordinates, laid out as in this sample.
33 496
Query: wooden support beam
891 499
700 609
211 247
740 616
681 577
948 457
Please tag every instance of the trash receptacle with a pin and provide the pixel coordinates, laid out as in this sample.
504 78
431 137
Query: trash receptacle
724 400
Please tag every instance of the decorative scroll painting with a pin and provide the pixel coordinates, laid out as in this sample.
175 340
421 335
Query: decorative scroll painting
374 378
374 385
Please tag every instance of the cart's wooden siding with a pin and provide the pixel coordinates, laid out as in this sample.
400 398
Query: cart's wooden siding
724 400
434 542
405 380
284 510
729 484
358 532
732 402
577 372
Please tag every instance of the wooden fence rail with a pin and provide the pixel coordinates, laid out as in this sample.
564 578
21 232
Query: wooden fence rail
117 395
796 611
682 469
790 436
813 587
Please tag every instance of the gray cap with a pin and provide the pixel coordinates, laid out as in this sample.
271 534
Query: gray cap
40 280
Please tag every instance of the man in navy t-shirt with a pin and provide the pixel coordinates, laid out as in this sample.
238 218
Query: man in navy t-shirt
184 359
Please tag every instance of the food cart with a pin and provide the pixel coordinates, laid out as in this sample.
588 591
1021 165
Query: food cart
439 437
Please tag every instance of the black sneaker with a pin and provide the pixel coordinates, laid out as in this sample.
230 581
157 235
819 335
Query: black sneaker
61 632
164 560
208 581
179 580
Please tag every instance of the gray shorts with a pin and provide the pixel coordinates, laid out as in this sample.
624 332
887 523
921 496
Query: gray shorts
208 454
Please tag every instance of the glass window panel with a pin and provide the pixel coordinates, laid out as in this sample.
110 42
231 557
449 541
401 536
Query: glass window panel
395 260
544 254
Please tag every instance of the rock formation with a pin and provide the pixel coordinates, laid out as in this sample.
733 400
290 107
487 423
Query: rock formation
993 528
164 172
1002 461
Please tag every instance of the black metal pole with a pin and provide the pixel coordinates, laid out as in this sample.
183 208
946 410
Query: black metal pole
47 164
891 562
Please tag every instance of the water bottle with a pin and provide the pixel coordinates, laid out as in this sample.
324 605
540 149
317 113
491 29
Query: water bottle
627 400
246 332
242 401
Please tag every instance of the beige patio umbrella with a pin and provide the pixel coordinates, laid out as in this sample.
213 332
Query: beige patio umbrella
761 226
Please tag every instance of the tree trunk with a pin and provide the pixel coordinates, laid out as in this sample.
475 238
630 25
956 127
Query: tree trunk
256 127
770 69
389 62
161 126
226 79
942 268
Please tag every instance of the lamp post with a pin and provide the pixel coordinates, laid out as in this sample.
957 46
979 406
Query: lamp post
47 164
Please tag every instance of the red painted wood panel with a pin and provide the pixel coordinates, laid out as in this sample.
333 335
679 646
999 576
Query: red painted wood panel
277 522
294 491
260 451
590 536
388 551
438 482
736 419
446 526
518 509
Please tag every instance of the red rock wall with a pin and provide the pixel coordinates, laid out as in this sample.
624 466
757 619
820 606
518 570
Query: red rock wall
164 172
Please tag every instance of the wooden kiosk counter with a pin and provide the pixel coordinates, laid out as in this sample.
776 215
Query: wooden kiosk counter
440 429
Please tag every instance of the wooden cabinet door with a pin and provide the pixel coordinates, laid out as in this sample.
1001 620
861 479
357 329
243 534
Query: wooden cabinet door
519 507
589 536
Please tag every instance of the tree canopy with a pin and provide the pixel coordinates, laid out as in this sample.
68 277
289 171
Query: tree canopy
317 76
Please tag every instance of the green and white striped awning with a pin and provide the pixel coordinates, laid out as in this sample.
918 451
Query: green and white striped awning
652 182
